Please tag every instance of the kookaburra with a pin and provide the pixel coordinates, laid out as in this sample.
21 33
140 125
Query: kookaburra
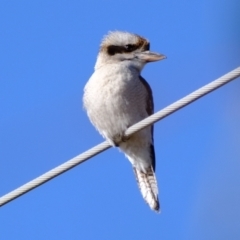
117 96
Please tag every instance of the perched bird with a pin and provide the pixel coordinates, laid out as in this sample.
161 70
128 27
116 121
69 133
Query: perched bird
117 96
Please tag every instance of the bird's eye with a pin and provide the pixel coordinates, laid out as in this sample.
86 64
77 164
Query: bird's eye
130 47
147 47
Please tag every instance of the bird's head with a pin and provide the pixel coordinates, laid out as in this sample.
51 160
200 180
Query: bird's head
127 48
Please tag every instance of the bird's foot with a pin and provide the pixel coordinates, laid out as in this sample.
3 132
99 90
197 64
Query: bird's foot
118 139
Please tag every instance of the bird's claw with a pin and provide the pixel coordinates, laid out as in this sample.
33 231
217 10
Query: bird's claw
118 139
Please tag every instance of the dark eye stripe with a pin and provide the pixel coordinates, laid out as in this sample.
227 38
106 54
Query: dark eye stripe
112 50
131 47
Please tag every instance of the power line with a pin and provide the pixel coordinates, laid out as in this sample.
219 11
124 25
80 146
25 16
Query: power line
105 145
184 101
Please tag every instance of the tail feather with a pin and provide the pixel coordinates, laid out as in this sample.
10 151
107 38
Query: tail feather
148 186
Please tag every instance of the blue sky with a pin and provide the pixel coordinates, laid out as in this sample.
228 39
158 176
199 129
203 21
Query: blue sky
47 53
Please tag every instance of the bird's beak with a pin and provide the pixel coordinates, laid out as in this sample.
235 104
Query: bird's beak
148 56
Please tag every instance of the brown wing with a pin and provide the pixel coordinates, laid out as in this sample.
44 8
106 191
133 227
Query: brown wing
150 110
150 105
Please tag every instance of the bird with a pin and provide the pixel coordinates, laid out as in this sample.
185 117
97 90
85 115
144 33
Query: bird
116 97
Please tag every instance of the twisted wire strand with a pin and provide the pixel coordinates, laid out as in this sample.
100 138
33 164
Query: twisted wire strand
105 145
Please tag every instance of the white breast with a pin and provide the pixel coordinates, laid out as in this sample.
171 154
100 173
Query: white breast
115 99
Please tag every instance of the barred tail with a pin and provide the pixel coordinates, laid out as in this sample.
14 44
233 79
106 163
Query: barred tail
148 186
